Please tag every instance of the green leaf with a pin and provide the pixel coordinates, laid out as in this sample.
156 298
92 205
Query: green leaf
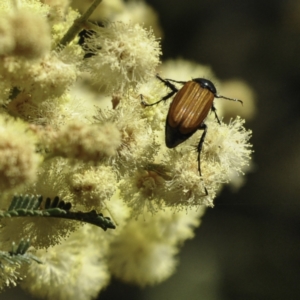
33 205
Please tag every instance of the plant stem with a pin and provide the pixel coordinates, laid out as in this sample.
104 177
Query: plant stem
78 24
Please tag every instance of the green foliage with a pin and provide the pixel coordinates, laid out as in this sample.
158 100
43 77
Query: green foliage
32 205
17 255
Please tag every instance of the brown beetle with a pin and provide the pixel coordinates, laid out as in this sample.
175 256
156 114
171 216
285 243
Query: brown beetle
188 110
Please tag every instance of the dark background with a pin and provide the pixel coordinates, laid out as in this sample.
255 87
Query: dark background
248 245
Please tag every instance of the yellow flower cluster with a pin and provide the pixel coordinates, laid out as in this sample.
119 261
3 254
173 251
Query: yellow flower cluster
72 125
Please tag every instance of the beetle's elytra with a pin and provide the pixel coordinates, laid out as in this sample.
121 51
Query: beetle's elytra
188 111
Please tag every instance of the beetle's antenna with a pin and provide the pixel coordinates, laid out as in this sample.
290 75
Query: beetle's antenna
231 99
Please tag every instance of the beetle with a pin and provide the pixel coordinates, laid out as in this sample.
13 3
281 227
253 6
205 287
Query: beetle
188 111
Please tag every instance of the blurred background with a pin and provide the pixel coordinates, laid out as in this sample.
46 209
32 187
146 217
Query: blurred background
248 245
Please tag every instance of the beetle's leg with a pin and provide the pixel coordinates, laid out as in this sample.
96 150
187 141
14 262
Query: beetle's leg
162 99
168 84
182 82
199 149
213 108
169 95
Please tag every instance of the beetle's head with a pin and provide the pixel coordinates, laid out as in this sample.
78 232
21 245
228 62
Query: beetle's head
206 84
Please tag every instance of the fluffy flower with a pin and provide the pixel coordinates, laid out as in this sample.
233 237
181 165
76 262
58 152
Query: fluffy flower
120 61
4 92
18 158
9 275
142 191
31 34
85 142
93 186
44 232
226 149
174 179
43 79
24 33
144 253
116 161
75 269
138 144
229 146
139 12
7 41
